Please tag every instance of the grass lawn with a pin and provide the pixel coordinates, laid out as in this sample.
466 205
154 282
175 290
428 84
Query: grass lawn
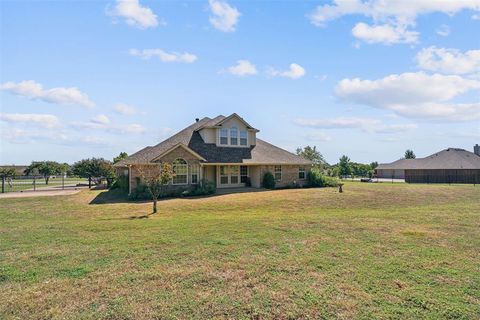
376 251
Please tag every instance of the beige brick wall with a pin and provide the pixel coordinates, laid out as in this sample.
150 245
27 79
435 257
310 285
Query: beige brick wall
289 175
170 158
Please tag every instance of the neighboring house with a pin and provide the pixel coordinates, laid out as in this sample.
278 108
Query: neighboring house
451 165
224 150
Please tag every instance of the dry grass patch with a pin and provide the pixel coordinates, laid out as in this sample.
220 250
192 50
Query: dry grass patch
375 251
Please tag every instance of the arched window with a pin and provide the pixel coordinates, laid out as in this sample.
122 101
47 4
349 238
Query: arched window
233 136
180 168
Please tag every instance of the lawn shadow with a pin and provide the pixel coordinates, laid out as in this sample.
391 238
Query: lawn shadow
110 196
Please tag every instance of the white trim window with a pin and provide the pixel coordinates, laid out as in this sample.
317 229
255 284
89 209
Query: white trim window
180 168
277 173
301 173
243 174
234 173
223 174
224 136
243 137
194 170
233 136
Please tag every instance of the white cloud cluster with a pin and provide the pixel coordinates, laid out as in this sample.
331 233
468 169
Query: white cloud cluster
163 56
414 95
243 68
102 122
391 18
41 120
385 33
134 14
295 71
224 17
34 90
443 31
125 109
449 60
365 124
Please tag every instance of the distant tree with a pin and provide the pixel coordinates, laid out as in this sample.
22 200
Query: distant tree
344 166
46 169
98 168
373 165
409 154
313 155
120 157
8 172
156 178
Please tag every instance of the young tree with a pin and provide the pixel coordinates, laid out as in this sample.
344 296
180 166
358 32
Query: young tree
409 154
46 169
313 155
120 157
344 166
93 168
156 178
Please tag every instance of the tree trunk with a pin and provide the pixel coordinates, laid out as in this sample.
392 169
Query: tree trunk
154 205
46 179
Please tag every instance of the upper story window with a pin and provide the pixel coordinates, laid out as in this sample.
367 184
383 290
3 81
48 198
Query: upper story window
233 136
223 136
243 138
180 168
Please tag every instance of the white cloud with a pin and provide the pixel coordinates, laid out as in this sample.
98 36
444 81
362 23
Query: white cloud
225 17
101 119
124 109
396 14
34 90
365 124
243 68
384 33
415 95
134 14
444 30
163 56
318 136
476 17
449 60
295 71
42 120
132 128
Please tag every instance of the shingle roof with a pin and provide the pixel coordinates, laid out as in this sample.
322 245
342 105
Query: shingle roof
262 153
451 158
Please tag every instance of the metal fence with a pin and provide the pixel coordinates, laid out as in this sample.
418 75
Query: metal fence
39 183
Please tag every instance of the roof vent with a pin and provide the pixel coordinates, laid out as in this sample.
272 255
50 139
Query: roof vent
196 119
476 149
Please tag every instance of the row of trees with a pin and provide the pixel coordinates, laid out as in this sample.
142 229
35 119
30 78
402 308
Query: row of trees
97 168
344 167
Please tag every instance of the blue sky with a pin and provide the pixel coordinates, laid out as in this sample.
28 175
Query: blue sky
368 79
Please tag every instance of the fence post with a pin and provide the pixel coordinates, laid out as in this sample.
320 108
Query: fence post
89 182
63 182
34 184
3 184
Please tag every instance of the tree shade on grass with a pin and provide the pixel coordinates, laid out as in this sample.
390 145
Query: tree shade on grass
374 251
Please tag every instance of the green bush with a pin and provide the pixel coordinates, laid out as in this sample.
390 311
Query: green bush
316 179
140 193
204 188
120 183
268 180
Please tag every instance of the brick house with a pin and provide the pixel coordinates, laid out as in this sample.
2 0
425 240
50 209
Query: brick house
224 150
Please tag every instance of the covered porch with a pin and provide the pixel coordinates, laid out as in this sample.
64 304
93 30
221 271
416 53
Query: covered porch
232 175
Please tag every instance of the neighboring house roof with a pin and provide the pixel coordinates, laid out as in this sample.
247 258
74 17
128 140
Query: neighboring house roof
451 158
261 153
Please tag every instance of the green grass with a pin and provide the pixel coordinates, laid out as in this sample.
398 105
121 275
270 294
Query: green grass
376 251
